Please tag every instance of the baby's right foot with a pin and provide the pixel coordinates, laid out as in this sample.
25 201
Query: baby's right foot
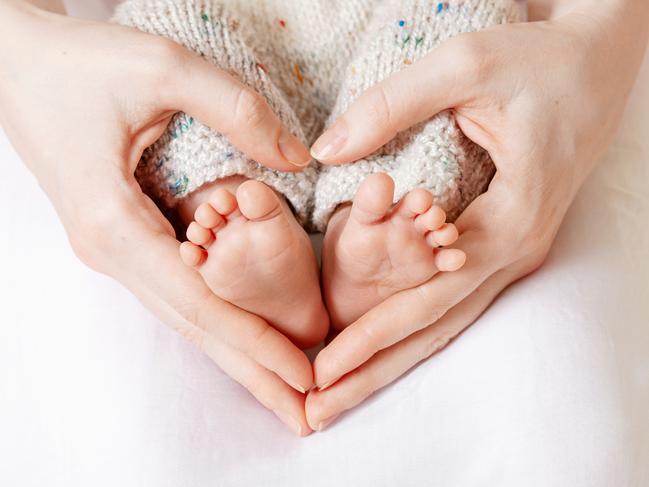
372 250
253 253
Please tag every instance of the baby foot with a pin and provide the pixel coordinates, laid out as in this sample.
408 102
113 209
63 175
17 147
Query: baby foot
253 253
373 250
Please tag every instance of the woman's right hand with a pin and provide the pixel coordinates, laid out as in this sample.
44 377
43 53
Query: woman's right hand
80 101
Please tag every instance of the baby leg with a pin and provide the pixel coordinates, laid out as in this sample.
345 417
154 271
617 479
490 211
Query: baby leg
246 243
449 170
373 250
245 239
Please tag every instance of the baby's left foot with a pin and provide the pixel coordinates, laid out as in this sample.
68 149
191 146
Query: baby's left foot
372 250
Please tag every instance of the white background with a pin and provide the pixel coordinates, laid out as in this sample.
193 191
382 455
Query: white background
550 387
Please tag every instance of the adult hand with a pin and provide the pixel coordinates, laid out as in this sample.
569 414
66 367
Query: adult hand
80 101
545 99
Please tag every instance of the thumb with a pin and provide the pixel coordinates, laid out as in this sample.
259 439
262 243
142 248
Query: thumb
436 82
230 107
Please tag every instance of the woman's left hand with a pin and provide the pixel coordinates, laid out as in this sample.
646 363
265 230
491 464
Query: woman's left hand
545 99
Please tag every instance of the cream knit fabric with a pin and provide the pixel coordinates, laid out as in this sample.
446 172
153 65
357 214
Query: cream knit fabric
310 60
434 155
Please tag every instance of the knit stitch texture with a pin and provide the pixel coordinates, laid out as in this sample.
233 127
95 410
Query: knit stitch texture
190 154
434 155
311 60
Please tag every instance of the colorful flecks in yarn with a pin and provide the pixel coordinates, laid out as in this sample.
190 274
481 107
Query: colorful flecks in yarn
404 39
179 187
262 67
441 6
182 128
434 154
298 73
190 154
280 51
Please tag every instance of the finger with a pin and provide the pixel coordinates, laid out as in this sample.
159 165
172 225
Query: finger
192 255
198 234
230 107
184 301
389 364
446 234
433 219
436 82
206 216
449 260
411 310
147 260
406 312
267 387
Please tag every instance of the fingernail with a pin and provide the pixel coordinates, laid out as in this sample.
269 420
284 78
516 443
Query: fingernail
297 387
293 150
326 422
325 385
290 421
330 143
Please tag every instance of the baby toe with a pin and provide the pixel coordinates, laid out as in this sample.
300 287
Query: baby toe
431 220
417 202
208 217
223 201
257 201
198 234
373 199
443 236
449 260
192 255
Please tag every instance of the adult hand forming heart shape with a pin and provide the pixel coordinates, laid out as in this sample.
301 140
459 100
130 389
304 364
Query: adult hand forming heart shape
544 119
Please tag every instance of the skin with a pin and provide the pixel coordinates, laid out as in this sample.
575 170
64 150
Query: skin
374 249
544 118
80 101
246 243
545 99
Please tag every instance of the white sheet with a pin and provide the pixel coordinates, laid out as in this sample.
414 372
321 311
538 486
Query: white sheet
549 388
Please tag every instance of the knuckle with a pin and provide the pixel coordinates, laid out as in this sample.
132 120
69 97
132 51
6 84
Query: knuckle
472 56
165 67
257 344
167 53
163 57
434 345
196 313
251 111
83 250
95 229
371 335
535 235
329 360
426 300
371 380
535 261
